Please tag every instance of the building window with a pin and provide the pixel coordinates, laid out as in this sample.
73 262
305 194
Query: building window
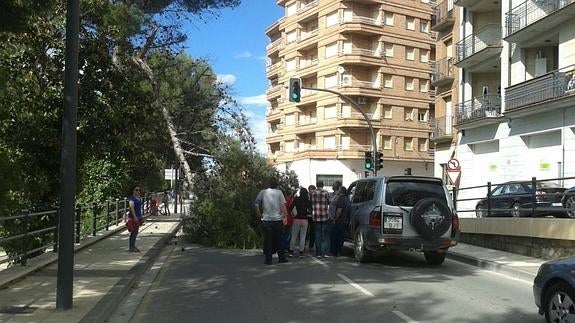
424 55
424 26
409 83
289 146
408 144
387 112
332 19
408 114
422 144
330 112
291 37
423 85
328 180
388 49
331 50
329 142
387 142
422 116
388 81
410 23
388 18
290 65
331 80
290 119
410 53
291 9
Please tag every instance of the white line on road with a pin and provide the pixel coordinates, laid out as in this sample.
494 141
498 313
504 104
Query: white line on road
320 262
510 277
404 317
355 285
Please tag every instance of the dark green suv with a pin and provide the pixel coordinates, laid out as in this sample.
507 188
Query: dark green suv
401 213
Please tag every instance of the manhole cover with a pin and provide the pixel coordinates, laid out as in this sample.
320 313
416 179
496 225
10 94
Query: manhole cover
18 309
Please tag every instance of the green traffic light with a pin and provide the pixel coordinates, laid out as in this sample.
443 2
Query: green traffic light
368 165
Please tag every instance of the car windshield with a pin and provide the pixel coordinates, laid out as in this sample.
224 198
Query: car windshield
403 193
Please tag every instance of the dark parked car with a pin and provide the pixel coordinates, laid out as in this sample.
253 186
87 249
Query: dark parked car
568 202
508 198
401 213
554 290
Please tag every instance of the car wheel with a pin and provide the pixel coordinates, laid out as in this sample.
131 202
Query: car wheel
515 210
434 257
431 217
480 211
558 303
569 205
360 252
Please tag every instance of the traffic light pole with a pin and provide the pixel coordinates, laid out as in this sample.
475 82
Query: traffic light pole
358 108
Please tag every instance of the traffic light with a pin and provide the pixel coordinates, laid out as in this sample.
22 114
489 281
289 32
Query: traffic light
368 164
379 161
294 89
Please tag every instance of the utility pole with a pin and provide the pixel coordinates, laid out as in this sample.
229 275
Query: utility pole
177 170
65 280
358 108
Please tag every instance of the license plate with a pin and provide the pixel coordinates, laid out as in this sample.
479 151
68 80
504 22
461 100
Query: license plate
395 223
556 204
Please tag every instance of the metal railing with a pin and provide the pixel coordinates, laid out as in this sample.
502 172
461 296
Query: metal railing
38 231
441 127
442 69
487 36
553 85
488 105
531 11
485 201
442 12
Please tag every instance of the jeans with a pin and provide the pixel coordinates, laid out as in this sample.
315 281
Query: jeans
273 239
337 238
322 237
132 240
298 229
286 238
311 233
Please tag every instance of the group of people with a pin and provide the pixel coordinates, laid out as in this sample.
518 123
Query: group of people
313 215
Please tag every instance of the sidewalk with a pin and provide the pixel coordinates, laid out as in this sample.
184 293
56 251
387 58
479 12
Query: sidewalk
104 273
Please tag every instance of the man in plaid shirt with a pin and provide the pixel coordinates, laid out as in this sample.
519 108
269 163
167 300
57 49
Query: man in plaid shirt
322 224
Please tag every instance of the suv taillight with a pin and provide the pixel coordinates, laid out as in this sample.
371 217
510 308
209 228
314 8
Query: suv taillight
375 218
454 221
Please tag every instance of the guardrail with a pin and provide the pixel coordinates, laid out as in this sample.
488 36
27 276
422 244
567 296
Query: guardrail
517 198
89 220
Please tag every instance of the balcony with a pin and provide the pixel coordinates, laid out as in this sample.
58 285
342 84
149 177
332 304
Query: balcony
442 72
535 17
362 52
479 49
274 90
276 45
441 129
307 63
479 111
442 17
307 7
555 89
308 34
479 5
273 69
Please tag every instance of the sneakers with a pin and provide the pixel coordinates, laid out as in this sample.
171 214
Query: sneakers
300 254
134 250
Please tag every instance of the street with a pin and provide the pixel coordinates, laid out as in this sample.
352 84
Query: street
212 285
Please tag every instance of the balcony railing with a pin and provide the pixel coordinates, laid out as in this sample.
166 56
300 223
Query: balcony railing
355 83
361 20
273 66
276 43
442 70
357 115
488 35
488 105
308 6
443 14
308 63
441 127
531 11
307 121
274 88
361 51
553 85
308 34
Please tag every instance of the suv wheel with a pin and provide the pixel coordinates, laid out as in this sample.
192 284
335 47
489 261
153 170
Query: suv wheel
434 257
431 217
360 253
515 212
569 204
558 303
480 211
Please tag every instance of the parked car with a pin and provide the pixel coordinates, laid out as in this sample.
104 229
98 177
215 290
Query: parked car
509 198
568 202
554 290
401 213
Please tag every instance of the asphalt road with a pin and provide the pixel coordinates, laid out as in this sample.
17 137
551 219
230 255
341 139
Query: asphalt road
211 285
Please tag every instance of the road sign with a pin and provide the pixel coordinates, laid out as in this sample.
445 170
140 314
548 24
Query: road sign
453 164
169 174
454 176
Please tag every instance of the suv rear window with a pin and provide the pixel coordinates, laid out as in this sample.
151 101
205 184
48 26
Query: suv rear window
407 193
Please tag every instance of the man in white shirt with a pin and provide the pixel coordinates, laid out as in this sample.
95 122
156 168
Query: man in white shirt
271 207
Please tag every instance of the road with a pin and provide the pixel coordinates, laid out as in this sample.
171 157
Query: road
211 285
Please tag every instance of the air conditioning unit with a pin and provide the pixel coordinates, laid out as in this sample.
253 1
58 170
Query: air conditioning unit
361 100
346 80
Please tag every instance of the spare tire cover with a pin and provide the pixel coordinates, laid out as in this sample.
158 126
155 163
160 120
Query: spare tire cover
431 217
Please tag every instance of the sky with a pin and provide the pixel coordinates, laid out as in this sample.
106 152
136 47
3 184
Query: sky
235 46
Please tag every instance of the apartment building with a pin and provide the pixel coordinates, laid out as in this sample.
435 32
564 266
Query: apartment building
445 80
516 108
376 52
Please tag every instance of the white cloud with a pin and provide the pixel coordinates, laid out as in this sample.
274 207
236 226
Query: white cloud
227 79
257 100
245 54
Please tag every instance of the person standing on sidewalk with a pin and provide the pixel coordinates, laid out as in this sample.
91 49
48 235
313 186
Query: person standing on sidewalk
302 205
331 212
270 206
135 201
342 212
310 227
320 204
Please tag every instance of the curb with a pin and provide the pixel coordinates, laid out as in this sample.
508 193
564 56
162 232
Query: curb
105 307
490 265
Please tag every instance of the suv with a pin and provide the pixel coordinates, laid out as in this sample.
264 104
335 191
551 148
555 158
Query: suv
413 213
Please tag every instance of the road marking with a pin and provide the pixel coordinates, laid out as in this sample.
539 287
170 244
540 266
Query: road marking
404 317
320 262
355 285
508 276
